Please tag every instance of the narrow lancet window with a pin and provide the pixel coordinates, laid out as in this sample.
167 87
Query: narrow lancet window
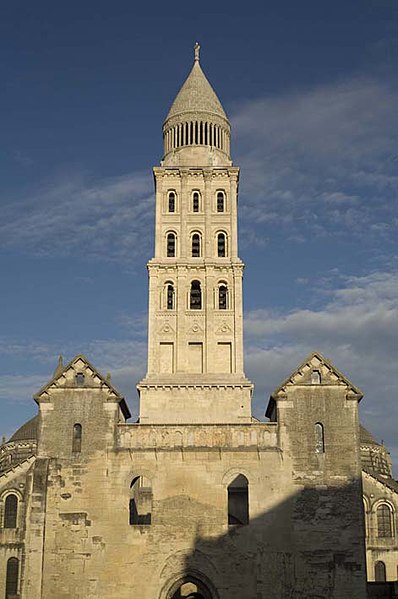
196 245
172 201
77 438
222 297
10 511
319 438
195 297
171 245
195 202
12 578
221 245
238 501
170 296
220 202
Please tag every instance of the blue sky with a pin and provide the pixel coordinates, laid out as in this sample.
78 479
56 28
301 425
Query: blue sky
312 93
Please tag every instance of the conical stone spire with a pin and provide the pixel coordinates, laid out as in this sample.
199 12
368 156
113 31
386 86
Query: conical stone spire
196 119
196 94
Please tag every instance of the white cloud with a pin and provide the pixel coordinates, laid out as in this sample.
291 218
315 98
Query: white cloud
102 219
321 161
357 328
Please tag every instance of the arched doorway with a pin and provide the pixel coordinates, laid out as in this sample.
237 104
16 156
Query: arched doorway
190 587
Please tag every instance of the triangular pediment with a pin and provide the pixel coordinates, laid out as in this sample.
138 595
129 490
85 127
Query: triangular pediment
317 370
80 373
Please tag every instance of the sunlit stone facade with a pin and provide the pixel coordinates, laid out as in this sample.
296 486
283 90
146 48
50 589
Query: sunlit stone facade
197 499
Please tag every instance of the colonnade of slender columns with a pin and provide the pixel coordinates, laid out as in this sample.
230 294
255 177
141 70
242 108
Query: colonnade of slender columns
196 133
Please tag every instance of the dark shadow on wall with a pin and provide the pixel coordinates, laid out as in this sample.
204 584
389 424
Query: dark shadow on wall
382 590
309 546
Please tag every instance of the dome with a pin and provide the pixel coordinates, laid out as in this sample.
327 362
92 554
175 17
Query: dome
27 431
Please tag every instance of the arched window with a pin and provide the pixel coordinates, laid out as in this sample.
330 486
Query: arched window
195 201
196 245
190 587
170 296
172 201
10 511
195 296
319 438
171 245
140 507
238 501
12 577
222 297
384 521
220 201
380 572
221 245
77 438
365 515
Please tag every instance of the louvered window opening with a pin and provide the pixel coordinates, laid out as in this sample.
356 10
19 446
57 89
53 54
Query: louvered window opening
222 297
171 245
195 299
196 245
172 201
221 245
195 202
170 297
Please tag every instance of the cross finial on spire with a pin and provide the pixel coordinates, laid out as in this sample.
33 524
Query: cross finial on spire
197 48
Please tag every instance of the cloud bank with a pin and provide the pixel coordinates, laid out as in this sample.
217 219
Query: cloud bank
323 161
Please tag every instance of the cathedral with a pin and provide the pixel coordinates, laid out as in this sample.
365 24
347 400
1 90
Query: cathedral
197 498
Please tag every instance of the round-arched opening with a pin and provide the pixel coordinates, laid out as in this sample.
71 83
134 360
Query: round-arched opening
191 587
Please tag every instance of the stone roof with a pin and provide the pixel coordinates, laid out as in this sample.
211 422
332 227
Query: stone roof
27 431
366 438
196 95
388 481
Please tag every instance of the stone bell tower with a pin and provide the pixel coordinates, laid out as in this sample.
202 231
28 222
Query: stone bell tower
195 341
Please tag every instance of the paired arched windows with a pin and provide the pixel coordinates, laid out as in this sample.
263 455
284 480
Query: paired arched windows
77 438
171 245
171 201
319 438
384 521
195 296
12 577
238 501
196 243
140 506
10 511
